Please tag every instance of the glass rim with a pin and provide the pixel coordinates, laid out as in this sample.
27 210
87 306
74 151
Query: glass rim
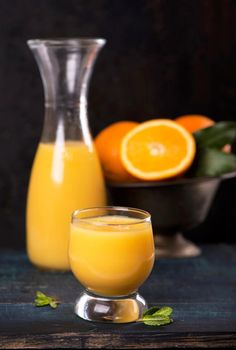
71 42
146 214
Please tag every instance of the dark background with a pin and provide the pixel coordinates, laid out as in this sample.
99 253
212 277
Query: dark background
162 59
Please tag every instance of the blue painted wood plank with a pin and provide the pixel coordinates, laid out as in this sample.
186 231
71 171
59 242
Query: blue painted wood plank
202 292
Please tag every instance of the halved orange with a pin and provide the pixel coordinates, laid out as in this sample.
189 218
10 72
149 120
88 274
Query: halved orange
157 149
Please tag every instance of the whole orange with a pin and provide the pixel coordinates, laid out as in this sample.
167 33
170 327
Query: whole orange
194 122
108 143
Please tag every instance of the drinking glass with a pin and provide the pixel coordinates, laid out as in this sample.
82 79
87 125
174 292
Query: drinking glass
111 253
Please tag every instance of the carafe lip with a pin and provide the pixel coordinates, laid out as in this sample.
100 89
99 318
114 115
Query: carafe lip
67 42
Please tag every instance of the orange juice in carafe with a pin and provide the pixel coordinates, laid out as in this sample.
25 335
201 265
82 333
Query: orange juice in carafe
66 172
64 177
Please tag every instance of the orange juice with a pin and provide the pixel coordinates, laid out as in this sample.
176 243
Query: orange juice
111 255
65 176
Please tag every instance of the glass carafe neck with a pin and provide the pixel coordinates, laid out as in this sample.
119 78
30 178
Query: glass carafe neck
65 66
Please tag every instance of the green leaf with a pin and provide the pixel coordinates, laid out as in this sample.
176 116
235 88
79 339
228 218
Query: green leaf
53 304
151 311
44 300
155 310
217 135
212 162
41 302
156 316
157 321
40 295
165 311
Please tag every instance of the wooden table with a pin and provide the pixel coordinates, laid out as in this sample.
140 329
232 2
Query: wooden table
201 290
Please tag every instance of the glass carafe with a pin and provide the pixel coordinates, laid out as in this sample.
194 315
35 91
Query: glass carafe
66 172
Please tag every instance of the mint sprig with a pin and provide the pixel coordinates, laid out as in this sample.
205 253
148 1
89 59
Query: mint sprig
157 316
44 300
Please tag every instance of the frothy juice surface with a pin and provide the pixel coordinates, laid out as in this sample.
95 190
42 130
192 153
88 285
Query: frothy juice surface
64 177
111 255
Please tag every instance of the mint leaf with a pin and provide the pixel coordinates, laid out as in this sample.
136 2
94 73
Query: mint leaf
53 304
157 321
40 295
151 311
44 300
164 311
156 316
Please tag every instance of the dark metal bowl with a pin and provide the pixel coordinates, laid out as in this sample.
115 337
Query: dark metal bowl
175 206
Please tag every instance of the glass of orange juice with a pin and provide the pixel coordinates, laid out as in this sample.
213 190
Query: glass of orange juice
111 253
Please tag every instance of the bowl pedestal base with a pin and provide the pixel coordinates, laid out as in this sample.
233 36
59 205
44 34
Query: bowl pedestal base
175 246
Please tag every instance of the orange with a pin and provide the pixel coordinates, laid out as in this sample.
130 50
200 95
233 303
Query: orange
194 122
157 149
107 144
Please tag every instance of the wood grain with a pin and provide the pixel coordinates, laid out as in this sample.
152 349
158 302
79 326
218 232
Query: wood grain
202 292
110 341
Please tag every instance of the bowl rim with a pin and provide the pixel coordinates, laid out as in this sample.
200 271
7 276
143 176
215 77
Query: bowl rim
178 181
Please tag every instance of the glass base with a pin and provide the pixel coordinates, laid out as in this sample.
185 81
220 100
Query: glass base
175 246
125 309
